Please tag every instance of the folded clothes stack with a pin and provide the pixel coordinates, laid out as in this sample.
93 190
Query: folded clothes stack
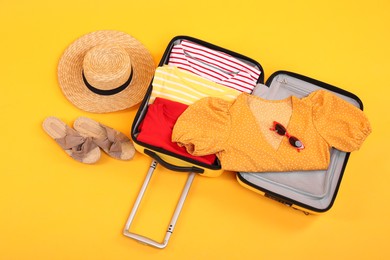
193 72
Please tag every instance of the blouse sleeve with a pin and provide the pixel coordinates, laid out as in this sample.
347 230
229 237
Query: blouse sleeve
203 127
342 125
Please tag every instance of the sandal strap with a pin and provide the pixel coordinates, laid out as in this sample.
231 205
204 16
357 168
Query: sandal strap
79 145
112 141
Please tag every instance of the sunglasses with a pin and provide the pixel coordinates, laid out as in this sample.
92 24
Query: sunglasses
281 130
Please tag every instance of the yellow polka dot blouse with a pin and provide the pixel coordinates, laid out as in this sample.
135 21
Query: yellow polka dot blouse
240 134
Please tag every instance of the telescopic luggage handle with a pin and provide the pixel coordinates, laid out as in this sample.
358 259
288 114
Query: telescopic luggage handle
175 215
171 166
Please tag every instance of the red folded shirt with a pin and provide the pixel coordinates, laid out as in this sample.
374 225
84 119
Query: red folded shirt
156 128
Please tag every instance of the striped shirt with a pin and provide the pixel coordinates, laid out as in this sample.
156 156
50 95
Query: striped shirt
214 65
178 85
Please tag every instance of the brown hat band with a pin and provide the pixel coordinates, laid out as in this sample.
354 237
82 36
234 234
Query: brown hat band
108 92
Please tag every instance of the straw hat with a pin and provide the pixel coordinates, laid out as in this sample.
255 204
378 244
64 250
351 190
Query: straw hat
105 71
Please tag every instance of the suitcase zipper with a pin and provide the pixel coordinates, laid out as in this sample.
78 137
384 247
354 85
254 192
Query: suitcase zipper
314 82
293 87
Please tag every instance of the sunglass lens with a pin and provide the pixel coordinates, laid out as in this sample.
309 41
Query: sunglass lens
295 142
280 129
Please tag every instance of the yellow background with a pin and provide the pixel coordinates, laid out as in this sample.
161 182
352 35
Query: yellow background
52 207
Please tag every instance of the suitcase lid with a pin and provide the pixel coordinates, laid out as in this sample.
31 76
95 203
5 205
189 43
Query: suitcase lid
314 191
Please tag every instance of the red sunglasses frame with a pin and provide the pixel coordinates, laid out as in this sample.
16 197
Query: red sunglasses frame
291 139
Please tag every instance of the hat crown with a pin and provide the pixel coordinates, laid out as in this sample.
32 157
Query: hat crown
107 66
111 89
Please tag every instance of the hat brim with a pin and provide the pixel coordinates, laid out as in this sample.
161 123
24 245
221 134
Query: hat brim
71 80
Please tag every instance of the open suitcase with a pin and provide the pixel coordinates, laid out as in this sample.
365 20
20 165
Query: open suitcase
314 192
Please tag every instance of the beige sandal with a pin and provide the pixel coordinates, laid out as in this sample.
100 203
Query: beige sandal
80 148
113 142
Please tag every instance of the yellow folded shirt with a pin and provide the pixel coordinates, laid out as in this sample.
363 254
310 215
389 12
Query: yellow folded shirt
185 87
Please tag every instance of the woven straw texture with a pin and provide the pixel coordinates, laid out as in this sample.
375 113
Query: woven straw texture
70 69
